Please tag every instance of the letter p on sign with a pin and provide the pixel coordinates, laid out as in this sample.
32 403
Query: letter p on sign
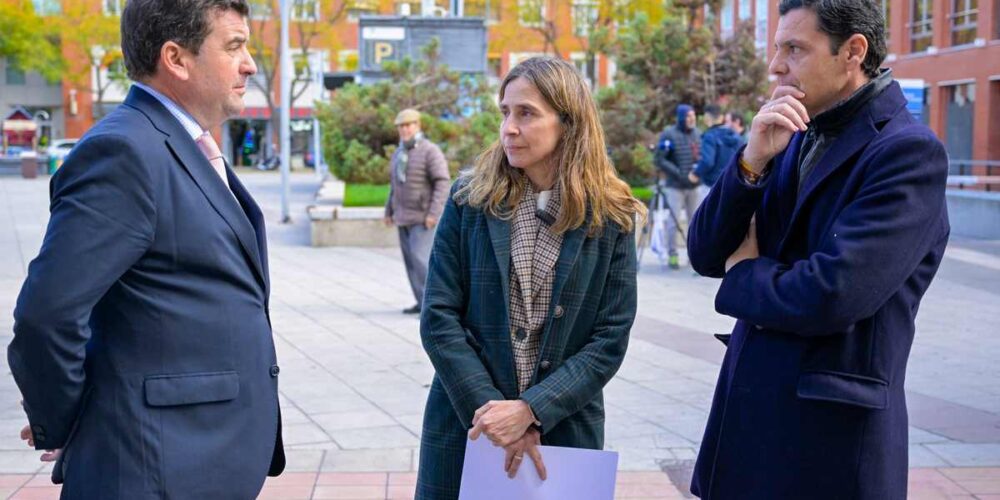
383 50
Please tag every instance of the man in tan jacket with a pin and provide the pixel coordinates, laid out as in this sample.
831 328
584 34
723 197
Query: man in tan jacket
419 186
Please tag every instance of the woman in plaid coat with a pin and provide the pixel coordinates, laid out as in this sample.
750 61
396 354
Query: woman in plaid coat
531 290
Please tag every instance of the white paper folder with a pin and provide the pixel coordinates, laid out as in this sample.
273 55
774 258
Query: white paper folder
573 474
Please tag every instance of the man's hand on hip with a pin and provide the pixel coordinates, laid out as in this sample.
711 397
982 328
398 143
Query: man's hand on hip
774 125
49 455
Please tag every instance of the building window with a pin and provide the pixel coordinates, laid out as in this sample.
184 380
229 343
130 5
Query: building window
887 16
407 7
47 7
996 19
760 28
305 10
925 115
744 10
359 8
922 25
494 64
964 16
584 16
347 61
113 7
487 9
531 13
726 19
582 64
14 75
261 10
959 121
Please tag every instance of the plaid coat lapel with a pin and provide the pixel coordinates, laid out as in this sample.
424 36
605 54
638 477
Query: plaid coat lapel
500 239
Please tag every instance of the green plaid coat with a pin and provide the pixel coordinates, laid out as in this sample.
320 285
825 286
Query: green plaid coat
464 329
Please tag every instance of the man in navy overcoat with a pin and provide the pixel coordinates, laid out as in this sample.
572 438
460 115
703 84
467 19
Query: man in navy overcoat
826 231
142 339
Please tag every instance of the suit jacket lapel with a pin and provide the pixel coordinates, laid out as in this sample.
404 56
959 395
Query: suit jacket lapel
858 134
186 153
256 218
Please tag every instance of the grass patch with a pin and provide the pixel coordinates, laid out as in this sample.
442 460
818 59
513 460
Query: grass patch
366 195
643 193
375 195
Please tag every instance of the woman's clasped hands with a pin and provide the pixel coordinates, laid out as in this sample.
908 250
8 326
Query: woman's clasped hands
509 424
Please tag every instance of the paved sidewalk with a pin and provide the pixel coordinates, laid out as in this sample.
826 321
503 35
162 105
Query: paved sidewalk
354 377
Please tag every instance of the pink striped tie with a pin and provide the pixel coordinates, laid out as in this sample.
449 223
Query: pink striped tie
211 151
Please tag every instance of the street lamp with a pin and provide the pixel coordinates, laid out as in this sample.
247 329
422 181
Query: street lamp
285 138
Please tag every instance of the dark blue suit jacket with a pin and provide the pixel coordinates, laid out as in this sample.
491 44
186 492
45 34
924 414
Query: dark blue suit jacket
810 400
142 339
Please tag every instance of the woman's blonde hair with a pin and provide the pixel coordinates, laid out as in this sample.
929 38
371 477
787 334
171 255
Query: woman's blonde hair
588 181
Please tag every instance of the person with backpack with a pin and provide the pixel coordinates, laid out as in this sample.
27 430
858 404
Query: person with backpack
719 144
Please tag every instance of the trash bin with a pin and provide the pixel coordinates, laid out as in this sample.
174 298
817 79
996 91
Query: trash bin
29 166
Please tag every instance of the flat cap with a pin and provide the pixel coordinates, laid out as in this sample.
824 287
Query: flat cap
408 115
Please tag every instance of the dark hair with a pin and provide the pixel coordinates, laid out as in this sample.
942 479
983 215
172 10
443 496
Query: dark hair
713 110
147 24
737 116
840 19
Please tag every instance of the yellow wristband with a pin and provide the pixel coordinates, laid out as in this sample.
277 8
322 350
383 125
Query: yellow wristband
748 173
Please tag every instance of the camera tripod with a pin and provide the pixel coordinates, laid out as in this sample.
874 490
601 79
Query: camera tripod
653 233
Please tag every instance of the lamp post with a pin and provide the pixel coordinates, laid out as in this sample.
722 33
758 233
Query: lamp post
285 137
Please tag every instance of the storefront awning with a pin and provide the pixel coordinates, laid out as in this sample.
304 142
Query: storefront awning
19 126
263 113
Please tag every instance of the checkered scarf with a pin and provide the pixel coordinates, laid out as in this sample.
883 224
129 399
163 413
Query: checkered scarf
534 249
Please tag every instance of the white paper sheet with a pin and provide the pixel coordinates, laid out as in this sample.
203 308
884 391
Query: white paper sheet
573 473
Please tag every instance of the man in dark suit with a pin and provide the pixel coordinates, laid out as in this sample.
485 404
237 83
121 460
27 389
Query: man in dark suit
142 339
850 227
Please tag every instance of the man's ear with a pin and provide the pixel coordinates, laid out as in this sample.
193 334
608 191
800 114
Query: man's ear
174 60
856 48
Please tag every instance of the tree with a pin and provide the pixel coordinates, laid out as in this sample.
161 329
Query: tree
27 41
663 64
265 25
92 42
458 113
741 74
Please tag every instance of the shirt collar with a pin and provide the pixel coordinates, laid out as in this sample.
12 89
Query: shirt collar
836 118
185 119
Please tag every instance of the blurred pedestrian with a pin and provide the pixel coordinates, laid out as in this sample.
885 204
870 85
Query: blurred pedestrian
719 145
532 285
677 152
735 121
419 183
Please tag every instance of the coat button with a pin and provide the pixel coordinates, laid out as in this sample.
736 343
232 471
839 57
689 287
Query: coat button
559 311
37 429
545 365
275 369
520 334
